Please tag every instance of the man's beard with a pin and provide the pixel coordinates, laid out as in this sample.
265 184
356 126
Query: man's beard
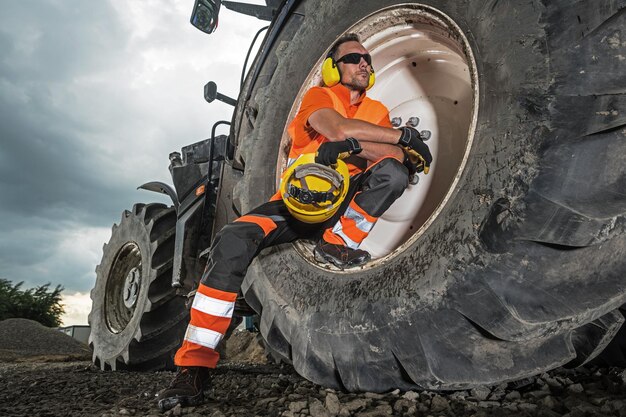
358 84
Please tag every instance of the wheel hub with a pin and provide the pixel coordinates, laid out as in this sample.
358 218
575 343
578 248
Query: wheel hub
426 75
131 287
123 287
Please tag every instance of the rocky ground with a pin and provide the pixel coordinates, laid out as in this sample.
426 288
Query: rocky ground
79 389
27 340
65 387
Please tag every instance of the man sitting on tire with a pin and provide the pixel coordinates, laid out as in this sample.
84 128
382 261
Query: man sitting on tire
328 121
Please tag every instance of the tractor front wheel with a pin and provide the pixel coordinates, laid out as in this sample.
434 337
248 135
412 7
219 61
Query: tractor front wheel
137 321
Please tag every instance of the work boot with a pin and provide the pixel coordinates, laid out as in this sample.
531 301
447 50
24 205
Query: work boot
340 255
186 389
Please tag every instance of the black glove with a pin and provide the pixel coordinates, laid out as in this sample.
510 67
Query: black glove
328 152
408 163
412 142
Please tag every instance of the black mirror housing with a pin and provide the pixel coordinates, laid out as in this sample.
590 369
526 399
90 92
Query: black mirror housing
210 91
205 15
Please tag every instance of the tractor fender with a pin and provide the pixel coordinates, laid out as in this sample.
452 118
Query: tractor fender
162 188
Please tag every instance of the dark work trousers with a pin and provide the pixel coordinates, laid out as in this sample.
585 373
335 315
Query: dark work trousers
236 244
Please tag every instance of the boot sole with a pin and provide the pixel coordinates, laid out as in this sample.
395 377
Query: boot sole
185 401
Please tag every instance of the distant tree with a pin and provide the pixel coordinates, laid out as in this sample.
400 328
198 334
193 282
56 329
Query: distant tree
40 303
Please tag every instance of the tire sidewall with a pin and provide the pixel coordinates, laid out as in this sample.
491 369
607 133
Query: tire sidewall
108 344
500 159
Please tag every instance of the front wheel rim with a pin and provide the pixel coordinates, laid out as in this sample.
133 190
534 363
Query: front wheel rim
123 287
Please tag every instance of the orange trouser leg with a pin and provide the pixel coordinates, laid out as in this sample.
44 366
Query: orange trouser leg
352 227
383 183
233 249
211 313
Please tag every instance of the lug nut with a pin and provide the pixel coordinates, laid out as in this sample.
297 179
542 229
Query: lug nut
413 121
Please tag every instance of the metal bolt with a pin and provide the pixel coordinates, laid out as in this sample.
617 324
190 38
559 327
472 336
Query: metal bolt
396 121
131 287
425 134
413 121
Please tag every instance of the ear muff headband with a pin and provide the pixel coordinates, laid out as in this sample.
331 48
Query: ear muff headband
331 75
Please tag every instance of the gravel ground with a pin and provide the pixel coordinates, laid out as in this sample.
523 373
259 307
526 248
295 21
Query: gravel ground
22 339
38 378
79 389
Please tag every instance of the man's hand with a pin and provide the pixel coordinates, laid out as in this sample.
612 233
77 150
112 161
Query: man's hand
410 140
328 152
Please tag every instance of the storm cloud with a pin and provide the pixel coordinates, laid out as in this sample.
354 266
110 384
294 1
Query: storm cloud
93 98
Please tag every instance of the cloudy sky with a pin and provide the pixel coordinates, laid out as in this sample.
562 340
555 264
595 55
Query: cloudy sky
94 95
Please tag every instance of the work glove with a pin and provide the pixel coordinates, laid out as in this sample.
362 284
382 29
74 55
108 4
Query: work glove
328 152
411 162
418 151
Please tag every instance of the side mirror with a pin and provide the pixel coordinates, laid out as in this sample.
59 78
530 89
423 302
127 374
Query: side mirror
204 15
210 94
210 91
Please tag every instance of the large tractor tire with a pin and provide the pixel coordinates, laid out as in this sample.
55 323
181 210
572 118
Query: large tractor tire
137 321
615 352
513 258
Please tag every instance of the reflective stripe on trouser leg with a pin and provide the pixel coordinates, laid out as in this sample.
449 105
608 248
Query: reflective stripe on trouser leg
384 182
233 249
354 225
211 313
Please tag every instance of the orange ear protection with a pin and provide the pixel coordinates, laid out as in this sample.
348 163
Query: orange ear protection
332 76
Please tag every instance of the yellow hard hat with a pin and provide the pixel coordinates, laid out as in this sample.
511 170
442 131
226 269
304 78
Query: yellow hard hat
314 192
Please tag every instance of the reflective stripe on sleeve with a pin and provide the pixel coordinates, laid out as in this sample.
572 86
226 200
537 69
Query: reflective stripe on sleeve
203 337
213 306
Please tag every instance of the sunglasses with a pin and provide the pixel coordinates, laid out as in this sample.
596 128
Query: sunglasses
355 58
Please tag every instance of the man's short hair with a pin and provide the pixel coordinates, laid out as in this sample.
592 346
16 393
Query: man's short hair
348 37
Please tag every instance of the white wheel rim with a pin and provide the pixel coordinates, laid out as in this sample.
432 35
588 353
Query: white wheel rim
424 68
